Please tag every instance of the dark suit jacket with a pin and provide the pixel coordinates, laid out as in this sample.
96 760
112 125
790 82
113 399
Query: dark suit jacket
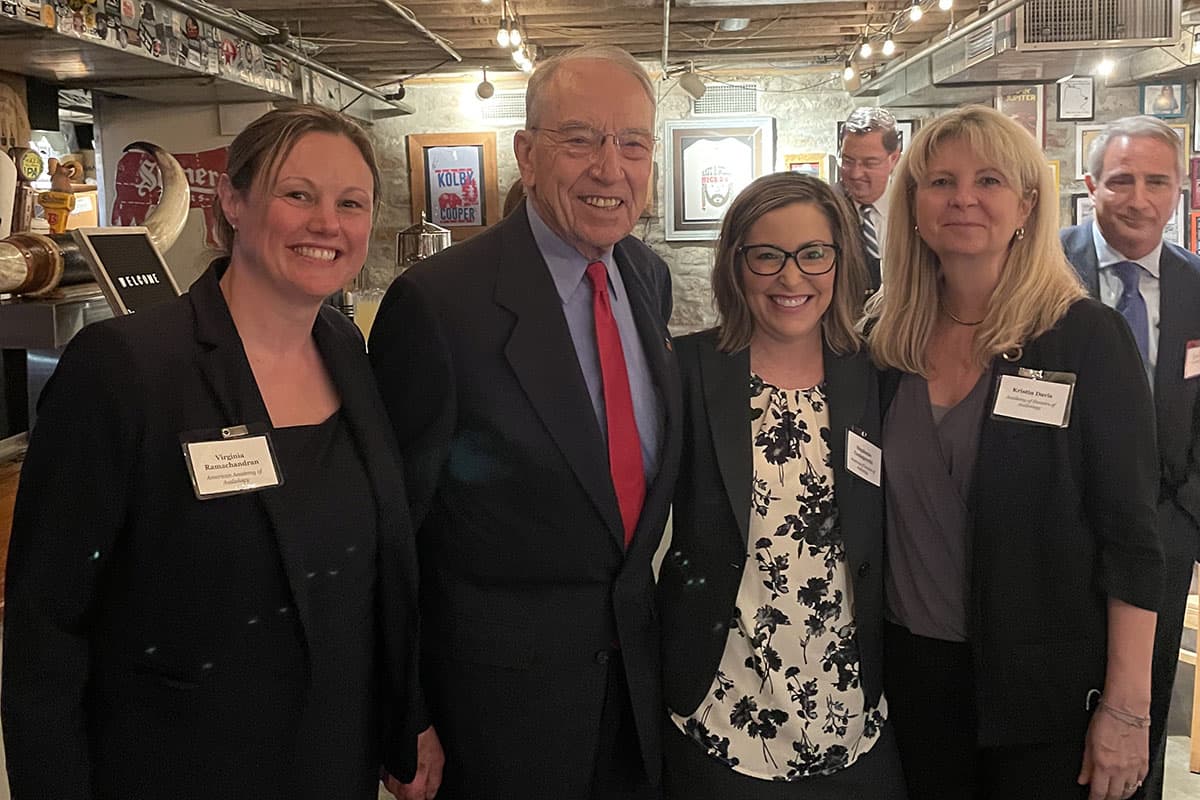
874 270
1061 520
525 582
130 669
712 513
1177 401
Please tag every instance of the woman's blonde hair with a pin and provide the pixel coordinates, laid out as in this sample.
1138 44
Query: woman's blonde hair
763 196
260 149
1037 284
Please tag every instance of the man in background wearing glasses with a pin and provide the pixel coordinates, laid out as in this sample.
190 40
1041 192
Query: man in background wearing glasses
868 152
529 376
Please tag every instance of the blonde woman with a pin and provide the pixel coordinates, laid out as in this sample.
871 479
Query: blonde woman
1018 444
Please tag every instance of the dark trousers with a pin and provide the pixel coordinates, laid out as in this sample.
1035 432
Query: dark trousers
931 707
689 773
620 773
1179 555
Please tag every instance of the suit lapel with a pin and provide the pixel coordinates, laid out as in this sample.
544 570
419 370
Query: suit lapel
847 383
541 354
1081 251
664 372
1179 323
726 381
224 366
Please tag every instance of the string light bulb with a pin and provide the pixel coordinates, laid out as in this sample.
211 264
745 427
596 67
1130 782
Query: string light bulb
889 46
514 36
848 73
945 5
915 13
502 36
864 48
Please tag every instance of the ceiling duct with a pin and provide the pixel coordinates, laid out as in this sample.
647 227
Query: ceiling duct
1038 41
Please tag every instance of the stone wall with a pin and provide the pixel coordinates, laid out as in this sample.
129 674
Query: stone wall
806 108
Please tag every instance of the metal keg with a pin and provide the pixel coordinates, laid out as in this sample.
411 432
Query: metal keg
419 242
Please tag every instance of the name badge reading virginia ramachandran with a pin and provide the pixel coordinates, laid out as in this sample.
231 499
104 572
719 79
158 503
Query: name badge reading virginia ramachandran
231 460
1036 397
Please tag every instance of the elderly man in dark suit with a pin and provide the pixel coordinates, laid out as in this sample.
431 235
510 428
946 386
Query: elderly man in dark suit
1135 168
531 383
868 149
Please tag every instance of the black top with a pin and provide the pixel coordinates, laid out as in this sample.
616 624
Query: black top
324 481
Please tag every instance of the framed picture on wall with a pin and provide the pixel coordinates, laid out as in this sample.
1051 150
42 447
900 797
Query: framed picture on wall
453 182
818 164
1184 130
708 162
1176 229
1194 227
1163 100
1026 105
904 131
1084 136
1194 173
1196 120
1081 208
1077 99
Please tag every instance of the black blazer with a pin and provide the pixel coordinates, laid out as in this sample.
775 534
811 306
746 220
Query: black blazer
130 668
1061 520
525 583
703 567
1177 401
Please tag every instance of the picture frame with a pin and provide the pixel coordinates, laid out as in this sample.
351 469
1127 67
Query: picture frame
817 164
1084 136
1196 120
905 128
1176 229
1194 227
708 162
1076 99
1162 100
1194 174
1081 208
453 181
1026 105
1056 179
1184 130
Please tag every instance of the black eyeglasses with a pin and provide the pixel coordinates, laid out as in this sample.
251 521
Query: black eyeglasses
812 258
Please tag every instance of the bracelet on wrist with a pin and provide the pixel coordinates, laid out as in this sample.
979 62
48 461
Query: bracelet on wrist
1126 717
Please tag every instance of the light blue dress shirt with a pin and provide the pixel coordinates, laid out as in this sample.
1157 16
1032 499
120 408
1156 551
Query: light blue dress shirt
568 268
1148 285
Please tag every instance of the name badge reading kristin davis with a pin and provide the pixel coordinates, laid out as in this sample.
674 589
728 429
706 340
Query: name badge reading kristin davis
863 458
231 460
1036 397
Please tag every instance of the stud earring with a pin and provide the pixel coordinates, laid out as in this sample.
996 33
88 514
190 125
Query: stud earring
1020 233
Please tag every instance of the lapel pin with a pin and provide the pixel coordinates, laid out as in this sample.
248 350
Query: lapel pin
667 341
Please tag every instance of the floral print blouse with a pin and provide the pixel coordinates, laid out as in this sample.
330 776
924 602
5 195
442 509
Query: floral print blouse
786 702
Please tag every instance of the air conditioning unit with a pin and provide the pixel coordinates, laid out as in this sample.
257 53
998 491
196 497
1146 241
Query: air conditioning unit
1084 24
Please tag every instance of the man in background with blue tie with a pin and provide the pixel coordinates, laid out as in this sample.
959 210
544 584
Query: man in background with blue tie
1135 170
868 149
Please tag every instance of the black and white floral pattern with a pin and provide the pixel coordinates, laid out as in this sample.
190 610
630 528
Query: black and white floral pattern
786 702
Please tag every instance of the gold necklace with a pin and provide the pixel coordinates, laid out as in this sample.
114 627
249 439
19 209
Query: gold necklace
950 314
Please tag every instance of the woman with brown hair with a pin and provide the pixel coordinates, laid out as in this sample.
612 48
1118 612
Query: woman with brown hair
211 583
1023 567
771 591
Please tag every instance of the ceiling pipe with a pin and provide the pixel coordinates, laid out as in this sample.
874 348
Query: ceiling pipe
415 23
666 33
232 26
953 36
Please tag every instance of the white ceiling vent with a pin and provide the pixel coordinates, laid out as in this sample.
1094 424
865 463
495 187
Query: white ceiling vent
507 106
727 98
1058 24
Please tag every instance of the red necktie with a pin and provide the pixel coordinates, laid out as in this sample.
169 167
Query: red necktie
624 444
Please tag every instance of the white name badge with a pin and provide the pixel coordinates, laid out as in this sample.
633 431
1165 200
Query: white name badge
1191 360
1037 397
232 461
863 458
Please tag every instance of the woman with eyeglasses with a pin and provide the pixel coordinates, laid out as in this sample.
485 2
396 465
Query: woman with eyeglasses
771 589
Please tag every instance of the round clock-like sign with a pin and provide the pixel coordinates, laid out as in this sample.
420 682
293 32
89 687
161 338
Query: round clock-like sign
29 164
